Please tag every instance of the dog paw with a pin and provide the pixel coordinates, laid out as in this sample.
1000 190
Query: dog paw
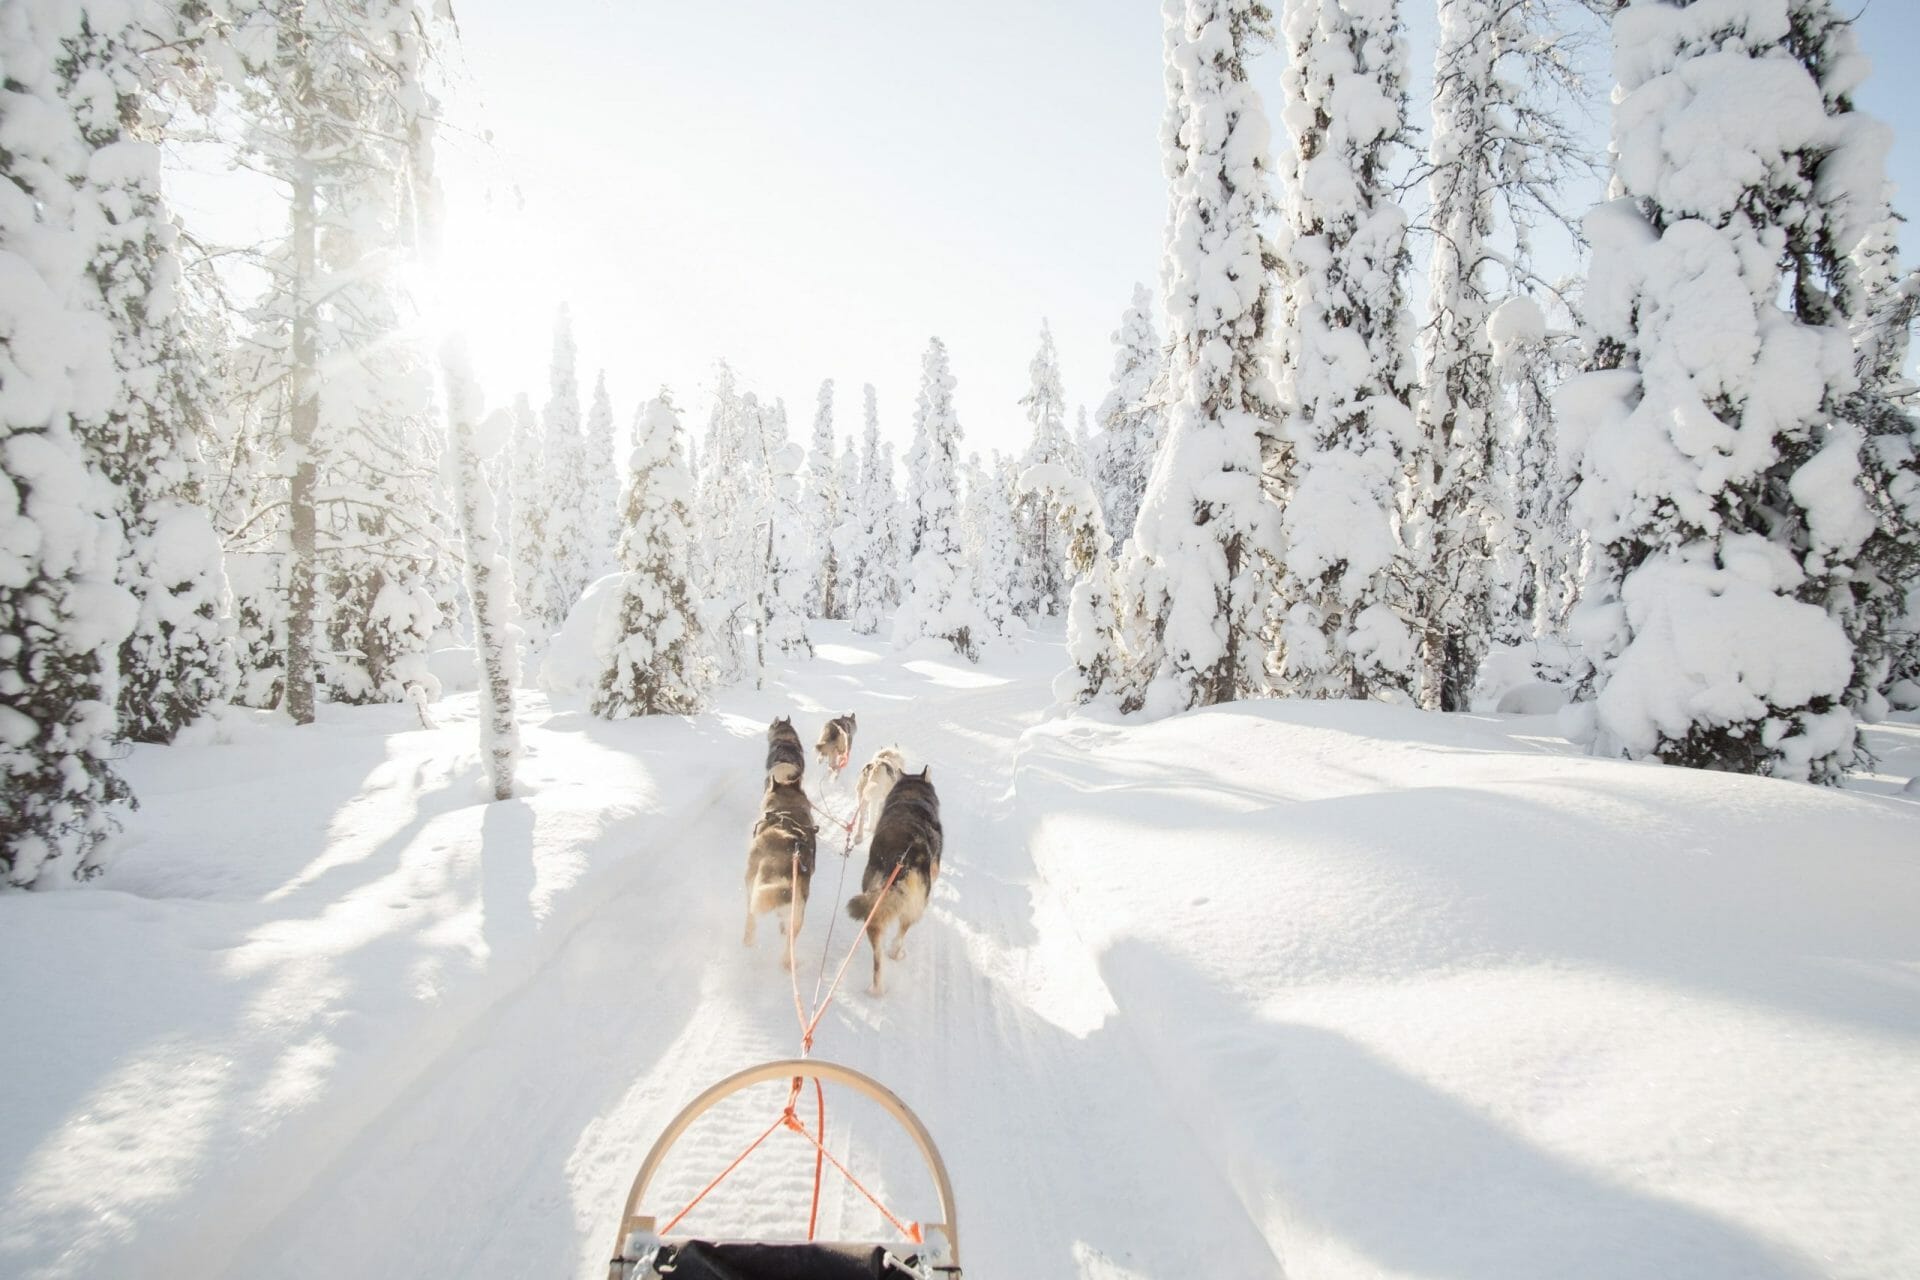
898 951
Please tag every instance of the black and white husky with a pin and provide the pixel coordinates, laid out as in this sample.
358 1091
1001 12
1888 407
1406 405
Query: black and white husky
780 857
908 836
786 758
835 747
877 777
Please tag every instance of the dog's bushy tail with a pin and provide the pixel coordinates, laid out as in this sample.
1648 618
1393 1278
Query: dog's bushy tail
861 904
784 771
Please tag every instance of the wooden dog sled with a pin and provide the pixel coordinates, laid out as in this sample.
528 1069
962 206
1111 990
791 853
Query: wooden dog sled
645 1251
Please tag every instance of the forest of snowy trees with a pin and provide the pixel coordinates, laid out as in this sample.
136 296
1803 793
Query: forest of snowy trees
1682 483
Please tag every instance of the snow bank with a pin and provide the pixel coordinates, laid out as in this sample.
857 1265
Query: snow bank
1445 1004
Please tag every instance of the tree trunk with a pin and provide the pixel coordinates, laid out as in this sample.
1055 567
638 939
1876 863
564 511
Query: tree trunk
304 390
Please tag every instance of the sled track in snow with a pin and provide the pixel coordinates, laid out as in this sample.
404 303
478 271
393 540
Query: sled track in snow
514 1146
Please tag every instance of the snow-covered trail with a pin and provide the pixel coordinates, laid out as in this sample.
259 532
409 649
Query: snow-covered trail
1320 989
514 1149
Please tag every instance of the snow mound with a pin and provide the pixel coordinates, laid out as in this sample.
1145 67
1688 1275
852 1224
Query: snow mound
571 665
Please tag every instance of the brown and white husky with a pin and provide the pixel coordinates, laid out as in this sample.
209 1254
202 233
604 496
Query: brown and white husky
786 758
835 747
877 777
908 836
780 858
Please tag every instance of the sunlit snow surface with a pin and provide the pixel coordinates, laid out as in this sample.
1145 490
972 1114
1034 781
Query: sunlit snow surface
1317 989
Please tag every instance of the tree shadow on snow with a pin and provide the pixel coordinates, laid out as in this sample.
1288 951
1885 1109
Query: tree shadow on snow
1337 1141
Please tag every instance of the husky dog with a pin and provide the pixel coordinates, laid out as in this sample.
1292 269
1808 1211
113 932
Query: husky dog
786 759
908 835
877 777
785 828
836 743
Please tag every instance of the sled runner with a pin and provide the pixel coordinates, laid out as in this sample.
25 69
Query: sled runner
929 1251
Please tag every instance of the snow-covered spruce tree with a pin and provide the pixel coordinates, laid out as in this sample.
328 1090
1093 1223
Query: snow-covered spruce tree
939 599
62 618
1041 588
1094 629
1879 300
1538 558
652 643
382 536
839 603
336 112
567 562
527 524
728 552
178 660
602 526
1197 577
821 505
471 441
872 558
1723 498
1129 419
990 541
1343 353
1500 149
789 571
898 542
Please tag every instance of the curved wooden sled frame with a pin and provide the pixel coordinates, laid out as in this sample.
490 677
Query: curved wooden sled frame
632 1221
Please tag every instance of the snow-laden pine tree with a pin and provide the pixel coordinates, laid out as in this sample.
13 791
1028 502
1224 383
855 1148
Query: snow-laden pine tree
1500 148
840 601
822 503
381 539
654 665
527 525
471 441
602 527
939 600
1041 587
1537 556
730 550
1094 628
791 558
991 542
1722 495
1879 300
899 534
1129 418
337 112
178 660
872 556
567 562
1343 353
1196 578
62 618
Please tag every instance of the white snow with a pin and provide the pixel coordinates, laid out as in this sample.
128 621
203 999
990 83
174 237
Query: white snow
1320 989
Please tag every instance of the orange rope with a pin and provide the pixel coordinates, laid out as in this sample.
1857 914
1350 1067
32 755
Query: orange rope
724 1173
787 1116
820 1097
910 1230
806 1034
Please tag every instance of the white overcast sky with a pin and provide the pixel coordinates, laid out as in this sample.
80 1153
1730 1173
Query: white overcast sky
812 189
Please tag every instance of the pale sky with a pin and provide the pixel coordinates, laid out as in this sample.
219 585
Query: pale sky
812 189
